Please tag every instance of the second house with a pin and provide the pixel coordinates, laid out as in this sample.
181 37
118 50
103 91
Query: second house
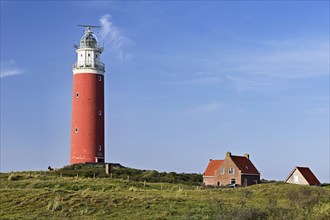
232 170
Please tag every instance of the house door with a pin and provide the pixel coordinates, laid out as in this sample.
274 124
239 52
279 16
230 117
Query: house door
218 183
245 181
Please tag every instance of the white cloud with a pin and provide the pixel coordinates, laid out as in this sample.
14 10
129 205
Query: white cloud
9 68
206 108
288 63
252 83
112 36
205 80
106 24
270 66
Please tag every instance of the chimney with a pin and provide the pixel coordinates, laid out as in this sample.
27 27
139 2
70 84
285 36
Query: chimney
228 154
247 156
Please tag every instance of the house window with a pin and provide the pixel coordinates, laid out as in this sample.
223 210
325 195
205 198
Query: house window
99 78
76 130
89 55
222 170
100 148
80 55
77 95
296 178
233 181
231 170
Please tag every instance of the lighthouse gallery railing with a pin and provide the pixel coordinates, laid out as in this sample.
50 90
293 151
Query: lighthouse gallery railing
94 65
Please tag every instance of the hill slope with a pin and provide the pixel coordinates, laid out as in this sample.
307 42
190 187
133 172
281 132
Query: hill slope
39 196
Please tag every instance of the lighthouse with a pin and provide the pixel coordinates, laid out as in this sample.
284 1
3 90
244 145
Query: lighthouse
87 131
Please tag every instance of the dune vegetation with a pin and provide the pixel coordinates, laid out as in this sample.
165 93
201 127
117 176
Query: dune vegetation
66 195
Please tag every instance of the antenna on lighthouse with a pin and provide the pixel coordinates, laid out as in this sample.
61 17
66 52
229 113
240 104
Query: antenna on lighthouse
88 27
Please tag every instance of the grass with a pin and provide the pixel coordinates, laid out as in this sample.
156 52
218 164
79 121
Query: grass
33 195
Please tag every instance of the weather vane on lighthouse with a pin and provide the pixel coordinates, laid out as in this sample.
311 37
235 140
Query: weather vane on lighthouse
87 132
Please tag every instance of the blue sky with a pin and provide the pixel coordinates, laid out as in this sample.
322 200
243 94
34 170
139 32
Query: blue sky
185 82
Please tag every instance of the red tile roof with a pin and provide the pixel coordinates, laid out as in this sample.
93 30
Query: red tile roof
308 175
213 165
244 165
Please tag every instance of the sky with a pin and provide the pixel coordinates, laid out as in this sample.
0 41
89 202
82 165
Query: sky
185 82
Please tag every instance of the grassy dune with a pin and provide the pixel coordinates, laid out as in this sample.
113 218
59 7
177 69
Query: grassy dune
27 195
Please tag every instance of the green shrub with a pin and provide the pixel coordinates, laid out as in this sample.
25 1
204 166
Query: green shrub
13 177
120 172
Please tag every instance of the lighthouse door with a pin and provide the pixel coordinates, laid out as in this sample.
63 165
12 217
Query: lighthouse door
99 159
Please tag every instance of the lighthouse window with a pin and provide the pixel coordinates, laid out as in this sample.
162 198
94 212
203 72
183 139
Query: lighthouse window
96 55
77 94
100 147
89 55
100 112
100 78
76 130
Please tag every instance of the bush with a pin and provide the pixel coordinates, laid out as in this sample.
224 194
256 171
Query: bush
120 172
13 177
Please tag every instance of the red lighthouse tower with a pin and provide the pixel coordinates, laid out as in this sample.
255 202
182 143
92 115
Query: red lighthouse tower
87 133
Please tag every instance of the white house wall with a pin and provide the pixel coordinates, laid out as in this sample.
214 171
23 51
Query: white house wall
297 178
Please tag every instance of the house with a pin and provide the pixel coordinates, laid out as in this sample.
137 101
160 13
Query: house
232 170
208 177
302 176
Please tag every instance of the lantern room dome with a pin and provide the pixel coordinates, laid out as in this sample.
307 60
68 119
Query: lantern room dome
89 40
